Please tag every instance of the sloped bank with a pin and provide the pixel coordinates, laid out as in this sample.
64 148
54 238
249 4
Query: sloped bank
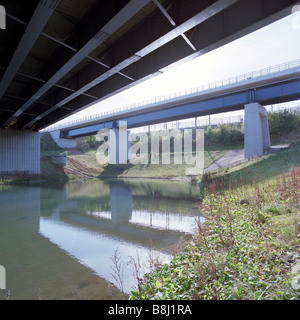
249 244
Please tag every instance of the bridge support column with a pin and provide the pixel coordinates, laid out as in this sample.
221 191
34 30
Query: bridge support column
120 145
257 135
19 152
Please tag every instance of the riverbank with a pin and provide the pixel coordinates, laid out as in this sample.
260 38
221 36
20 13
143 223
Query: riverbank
249 244
82 163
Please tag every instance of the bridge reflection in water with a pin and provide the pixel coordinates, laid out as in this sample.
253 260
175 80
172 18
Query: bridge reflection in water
76 229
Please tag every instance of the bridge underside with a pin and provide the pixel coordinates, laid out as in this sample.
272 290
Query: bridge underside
59 57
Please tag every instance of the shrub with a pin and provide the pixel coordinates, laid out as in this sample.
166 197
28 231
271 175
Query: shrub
92 141
283 122
47 143
224 134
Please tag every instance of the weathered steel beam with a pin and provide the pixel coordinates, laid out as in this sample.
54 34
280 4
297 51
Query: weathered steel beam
43 81
37 23
173 23
235 22
62 43
106 31
142 51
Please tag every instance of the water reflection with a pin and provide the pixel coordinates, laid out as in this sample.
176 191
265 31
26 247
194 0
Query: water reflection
63 238
120 203
20 206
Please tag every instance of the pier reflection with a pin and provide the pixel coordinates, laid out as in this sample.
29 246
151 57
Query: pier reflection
120 203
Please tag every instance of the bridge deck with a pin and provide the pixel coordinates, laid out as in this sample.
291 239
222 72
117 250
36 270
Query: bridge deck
272 87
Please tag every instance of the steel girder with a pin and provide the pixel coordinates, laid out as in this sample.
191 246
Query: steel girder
146 50
36 25
225 26
278 92
97 39
134 47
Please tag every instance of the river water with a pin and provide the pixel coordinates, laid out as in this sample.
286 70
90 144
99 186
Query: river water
58 242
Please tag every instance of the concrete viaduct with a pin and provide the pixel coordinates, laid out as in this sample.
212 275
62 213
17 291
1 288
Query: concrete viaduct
61 56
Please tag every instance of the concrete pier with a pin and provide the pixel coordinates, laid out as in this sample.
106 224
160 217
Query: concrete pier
19 152
257 136
120 144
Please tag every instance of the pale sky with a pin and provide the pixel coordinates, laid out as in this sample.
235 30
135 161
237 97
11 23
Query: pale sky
275 44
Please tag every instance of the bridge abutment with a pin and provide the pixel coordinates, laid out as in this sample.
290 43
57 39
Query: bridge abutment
63 143
19 152
257 135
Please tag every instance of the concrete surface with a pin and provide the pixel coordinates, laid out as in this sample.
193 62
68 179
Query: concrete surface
257 136
19 152
232 157
63 143
235 157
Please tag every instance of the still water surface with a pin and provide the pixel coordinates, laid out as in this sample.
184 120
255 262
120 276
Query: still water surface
58 242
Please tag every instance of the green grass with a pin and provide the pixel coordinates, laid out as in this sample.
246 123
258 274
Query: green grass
152 170
262 168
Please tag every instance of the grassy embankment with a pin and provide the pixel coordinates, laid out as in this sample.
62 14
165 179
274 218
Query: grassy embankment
248 245
82 163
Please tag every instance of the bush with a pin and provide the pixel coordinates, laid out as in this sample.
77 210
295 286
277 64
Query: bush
92 141
224 134
283 122
47 143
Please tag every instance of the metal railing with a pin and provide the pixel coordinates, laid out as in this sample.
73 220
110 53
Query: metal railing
213 85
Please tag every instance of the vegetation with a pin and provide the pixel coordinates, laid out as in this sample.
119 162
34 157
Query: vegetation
90 141
282 122
224 134
48 145
82 163
245 249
